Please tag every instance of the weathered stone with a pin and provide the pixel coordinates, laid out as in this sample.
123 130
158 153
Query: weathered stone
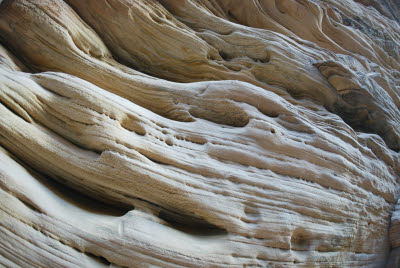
203 133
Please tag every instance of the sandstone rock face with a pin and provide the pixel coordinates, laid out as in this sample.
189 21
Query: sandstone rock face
200 133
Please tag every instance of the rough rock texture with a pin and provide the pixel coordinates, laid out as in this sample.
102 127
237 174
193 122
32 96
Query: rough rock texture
201 133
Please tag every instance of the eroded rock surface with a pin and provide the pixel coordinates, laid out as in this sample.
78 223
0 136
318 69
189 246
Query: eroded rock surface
201 133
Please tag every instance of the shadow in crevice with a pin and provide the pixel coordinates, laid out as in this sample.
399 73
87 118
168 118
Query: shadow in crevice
93 203
190 225
16 110
100 259
61 190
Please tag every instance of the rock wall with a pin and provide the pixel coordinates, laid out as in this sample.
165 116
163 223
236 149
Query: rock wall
200 133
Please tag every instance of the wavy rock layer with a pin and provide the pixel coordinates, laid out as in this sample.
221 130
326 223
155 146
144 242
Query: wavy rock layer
199 133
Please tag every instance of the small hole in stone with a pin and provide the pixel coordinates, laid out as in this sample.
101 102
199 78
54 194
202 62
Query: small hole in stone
223 55
169 142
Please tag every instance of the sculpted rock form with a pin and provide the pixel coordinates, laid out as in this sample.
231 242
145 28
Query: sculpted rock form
202 133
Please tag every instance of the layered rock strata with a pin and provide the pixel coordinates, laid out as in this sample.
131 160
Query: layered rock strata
202 133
